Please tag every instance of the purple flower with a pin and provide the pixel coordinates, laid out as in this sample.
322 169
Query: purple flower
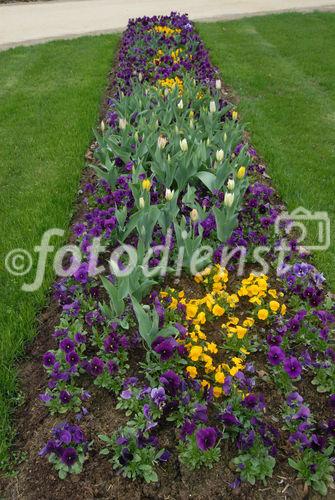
206 438
96 366
229 418
164 347
66 345
127 394
69 456
65 436
292 367
65 397
112 367
158 396
72 358
276 355
170 381
49 359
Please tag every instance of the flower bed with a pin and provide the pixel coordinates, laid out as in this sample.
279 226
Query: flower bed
207 368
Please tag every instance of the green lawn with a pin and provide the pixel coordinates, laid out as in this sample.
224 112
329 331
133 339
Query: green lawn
282 68
49 101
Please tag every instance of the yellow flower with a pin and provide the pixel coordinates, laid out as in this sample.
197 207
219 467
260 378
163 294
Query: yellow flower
248 322
195 352
201 318
192 371
204 383
218 310
146 184
191 310
263 314
241 332
217 391
262 283
240 173
273 293
217 287
219 377
244 351
174 303
283 309
233 370
274 305
234 115
211 346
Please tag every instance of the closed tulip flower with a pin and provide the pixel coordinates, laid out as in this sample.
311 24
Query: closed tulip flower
194 215
231 184
169 194
161 142
240 173
219 155
229 199
218 84
141 202
180 104
183 145
212 107
122 123
146 184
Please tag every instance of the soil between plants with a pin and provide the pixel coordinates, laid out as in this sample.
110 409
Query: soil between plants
34 477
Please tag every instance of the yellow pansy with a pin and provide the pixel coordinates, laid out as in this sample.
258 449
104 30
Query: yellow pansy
192 371
283 309
218 310
273 293
274 305
195 352
211 346
191 310
241 332
204 383
263 314
219 377
217 391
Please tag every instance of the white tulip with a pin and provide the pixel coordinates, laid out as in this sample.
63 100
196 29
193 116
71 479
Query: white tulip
191 123
231 184
161 142
229 199
169 194
122 123
180 104
141 202
183 145
194 215
225 137
102 126
218 84
219 155
212 107
140 77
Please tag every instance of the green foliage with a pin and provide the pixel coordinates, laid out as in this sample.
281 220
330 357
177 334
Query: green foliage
255 464
315 468
194 458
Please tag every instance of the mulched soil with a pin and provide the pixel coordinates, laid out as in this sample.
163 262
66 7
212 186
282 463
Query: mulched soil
35 479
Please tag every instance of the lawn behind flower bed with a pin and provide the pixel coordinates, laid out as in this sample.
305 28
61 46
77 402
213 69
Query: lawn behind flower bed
49 101
282 68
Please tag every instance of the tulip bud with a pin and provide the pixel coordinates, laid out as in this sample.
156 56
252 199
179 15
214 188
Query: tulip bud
191 114
219 155
183 145
146 184
122 123
180 104
136 136
166 92
161 142
225 137
142 203
191 123
208 141
228 199
168 158
102 126
140 77
194 215
212 107
231 184
218 84
240 173
234 115
169 194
